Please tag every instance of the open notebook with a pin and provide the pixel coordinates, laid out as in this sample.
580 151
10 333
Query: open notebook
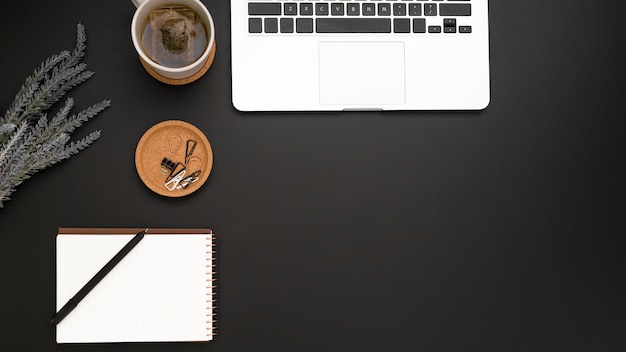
162 291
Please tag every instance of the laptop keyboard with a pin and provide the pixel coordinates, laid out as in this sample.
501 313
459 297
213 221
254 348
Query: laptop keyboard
359 16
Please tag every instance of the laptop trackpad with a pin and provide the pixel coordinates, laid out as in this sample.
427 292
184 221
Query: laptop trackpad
362 73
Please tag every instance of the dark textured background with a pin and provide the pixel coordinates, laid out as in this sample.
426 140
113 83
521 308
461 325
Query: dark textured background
499 230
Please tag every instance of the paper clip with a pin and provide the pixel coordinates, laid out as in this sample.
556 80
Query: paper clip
189 148
194 163
173 142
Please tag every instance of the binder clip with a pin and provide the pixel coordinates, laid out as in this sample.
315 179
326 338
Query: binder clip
167 166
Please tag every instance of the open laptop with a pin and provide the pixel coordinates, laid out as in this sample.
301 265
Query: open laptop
301 55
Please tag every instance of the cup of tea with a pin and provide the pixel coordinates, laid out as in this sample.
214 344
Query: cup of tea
175 39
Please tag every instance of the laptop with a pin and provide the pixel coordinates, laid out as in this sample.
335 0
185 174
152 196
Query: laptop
336 55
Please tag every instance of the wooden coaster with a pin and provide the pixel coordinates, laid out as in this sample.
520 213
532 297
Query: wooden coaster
168 140
181 81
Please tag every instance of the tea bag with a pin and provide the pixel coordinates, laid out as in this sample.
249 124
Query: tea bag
173 31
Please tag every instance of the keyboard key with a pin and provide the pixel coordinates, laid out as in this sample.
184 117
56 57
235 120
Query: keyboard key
264 8
369 9
306 9
255 25
337 9
430 9
286 25
353 10
465 29
384 9
304 25
449 25
291 9
399 9
449 22
419 25
321 9
271 25
415 9
434 29
353 25
401 25
455 9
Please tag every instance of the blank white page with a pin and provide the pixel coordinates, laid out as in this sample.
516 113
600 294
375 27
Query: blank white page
161 291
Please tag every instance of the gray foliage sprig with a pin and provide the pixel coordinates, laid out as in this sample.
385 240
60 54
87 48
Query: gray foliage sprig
29 141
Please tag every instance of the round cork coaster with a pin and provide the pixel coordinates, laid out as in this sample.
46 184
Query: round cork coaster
169 156
181 81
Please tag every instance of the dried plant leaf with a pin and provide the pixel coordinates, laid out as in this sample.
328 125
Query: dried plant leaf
29 142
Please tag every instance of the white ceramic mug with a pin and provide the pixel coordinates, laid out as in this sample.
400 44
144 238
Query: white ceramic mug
144 7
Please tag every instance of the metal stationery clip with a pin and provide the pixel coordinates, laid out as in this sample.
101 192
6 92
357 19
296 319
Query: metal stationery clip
174 171
173 183
175 176
175 139
193 177
167 165
189 148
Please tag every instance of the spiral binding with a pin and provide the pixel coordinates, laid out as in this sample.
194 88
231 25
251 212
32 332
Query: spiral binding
211 287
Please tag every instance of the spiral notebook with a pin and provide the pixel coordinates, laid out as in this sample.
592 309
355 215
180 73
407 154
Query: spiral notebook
164 290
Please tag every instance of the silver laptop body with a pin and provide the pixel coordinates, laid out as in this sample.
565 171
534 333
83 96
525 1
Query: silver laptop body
359 55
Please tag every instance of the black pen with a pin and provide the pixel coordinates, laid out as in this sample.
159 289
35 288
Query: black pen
73 302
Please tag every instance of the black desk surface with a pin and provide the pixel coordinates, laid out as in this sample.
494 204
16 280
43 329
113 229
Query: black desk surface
499 230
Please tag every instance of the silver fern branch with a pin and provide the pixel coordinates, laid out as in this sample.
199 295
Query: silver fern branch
49 82
30 86
13 143
29 142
